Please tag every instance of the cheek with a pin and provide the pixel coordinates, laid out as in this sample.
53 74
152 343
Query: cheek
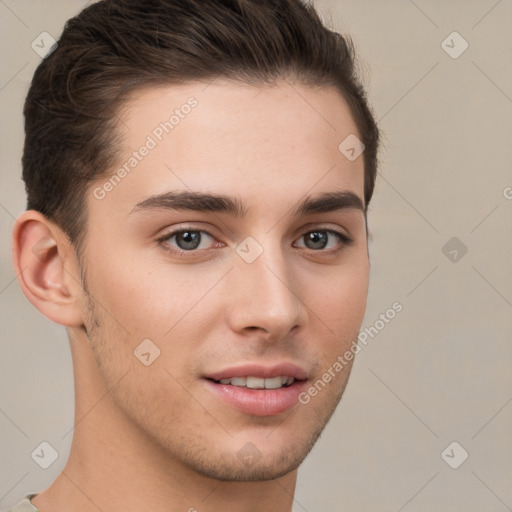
154 300
339 299
148 299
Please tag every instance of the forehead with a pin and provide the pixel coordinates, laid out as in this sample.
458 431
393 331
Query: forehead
269 143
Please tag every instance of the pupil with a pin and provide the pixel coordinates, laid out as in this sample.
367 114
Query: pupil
316 240
188 240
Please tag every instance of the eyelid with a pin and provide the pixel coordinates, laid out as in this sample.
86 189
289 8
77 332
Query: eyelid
183 226
345 239
310 227
162 241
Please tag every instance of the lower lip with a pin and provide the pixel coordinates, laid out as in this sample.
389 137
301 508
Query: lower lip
258 402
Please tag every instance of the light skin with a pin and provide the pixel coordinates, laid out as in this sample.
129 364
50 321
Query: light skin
155 437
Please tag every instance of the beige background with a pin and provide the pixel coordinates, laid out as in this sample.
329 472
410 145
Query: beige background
437 373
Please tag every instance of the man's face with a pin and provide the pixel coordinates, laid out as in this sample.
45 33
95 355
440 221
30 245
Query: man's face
273 288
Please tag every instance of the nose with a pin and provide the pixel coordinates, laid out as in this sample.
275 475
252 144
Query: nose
263 297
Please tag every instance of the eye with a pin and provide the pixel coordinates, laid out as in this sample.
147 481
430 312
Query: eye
321 239
188 239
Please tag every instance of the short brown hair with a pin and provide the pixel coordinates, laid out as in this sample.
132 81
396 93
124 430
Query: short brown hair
114 47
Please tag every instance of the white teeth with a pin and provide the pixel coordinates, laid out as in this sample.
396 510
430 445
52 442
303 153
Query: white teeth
274 383
255 383
258 382
239 381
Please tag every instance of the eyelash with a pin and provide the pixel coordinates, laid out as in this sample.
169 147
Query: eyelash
162 241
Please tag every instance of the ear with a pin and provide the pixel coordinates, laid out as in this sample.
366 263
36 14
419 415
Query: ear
47 268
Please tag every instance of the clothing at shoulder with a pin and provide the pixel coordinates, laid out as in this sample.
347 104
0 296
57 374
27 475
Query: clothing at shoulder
24 505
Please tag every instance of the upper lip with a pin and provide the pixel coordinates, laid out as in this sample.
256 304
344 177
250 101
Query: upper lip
261 371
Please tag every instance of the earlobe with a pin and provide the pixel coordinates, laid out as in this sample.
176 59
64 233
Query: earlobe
45 263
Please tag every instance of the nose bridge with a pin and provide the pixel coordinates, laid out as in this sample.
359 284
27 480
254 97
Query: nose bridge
264 296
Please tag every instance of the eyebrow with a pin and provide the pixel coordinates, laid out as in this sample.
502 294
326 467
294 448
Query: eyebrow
328 202
198 201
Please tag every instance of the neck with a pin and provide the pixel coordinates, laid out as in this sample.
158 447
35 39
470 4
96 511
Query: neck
113 465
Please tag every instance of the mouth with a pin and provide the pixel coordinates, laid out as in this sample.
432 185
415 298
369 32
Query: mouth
252 382
258 390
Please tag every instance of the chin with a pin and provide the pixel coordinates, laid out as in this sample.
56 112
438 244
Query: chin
257 472
250 465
